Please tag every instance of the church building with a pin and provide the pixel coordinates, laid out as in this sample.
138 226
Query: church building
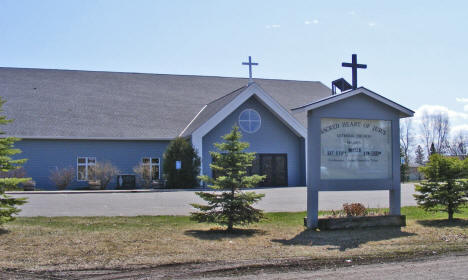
69 118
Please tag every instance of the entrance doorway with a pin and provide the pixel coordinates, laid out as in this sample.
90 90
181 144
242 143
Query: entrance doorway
274 166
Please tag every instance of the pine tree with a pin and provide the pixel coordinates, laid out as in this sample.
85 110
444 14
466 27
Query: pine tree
7 203
181 150
231 206
432 150
444 190
419 155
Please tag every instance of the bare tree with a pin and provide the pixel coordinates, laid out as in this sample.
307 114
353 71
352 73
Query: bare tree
406 136
419 155
435 128
459 145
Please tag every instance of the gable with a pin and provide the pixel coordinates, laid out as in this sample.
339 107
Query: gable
365 93
269 123
243 95
359 104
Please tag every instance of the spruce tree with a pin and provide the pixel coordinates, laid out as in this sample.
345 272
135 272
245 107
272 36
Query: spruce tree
419 155
181 150
7 203
444 189
432 150
231 206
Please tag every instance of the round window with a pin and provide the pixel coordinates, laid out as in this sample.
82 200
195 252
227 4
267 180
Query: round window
249 121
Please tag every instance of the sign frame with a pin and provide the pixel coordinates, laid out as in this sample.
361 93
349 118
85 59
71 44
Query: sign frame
363 107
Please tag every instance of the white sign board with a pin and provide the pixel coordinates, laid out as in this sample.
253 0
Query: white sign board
355 149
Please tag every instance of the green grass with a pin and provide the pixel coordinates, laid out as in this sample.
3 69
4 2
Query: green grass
148 222
416 213
42 243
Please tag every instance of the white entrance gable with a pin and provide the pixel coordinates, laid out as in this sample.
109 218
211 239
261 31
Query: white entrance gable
253 90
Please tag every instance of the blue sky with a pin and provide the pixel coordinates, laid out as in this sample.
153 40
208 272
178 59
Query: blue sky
416 51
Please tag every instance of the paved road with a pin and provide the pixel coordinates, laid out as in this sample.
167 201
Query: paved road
177 202
451 267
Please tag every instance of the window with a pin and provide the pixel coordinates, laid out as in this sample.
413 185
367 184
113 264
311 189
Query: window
250 121
84 166
151 167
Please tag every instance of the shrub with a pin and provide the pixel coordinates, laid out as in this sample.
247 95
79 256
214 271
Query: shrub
104 172
354 209
62 177
143 175
181 150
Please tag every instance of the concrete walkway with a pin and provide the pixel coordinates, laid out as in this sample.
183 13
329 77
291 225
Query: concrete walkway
177 202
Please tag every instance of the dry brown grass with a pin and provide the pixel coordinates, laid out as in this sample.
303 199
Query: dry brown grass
120 242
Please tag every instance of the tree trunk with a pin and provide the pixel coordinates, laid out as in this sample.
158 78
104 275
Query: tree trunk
450 213
231 213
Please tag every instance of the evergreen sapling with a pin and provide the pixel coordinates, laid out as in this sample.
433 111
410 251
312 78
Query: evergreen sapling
8 204
230 206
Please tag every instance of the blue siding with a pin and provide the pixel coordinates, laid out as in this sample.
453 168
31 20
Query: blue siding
273 137
44 155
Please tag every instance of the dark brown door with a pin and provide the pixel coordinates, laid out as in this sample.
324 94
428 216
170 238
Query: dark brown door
274 166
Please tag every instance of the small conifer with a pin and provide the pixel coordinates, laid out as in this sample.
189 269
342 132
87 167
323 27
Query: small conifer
231 206
8 204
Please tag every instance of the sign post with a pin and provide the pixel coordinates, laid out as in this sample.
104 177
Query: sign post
353 145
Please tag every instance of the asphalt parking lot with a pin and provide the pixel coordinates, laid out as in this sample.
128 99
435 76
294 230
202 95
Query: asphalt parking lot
285 199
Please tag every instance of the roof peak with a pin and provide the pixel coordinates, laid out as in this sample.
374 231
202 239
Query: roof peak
146 73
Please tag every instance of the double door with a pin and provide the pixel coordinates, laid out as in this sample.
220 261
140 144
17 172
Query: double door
274 166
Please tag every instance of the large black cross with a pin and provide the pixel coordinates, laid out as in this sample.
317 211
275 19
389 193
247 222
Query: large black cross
354 65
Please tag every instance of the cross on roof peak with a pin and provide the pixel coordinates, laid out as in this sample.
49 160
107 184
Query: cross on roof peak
250 63
354 65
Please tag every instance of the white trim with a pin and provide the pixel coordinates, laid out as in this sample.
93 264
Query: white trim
86 165
182 133
306 151
249 120
252 90
405 111
151 166
89 138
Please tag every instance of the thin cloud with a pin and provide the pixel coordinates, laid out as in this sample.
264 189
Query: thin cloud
371 24
272 26
315 21
460 129
462 100
352 13
453 115
465 108
457 120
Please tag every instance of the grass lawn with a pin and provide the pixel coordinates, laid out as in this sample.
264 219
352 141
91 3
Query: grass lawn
120 242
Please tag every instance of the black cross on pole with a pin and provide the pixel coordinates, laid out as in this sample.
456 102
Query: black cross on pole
354 65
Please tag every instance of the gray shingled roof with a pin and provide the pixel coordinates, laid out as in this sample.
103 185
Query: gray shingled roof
210 109
89 104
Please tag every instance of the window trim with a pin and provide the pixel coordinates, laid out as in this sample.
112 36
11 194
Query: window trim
151 164
86 165
249 121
